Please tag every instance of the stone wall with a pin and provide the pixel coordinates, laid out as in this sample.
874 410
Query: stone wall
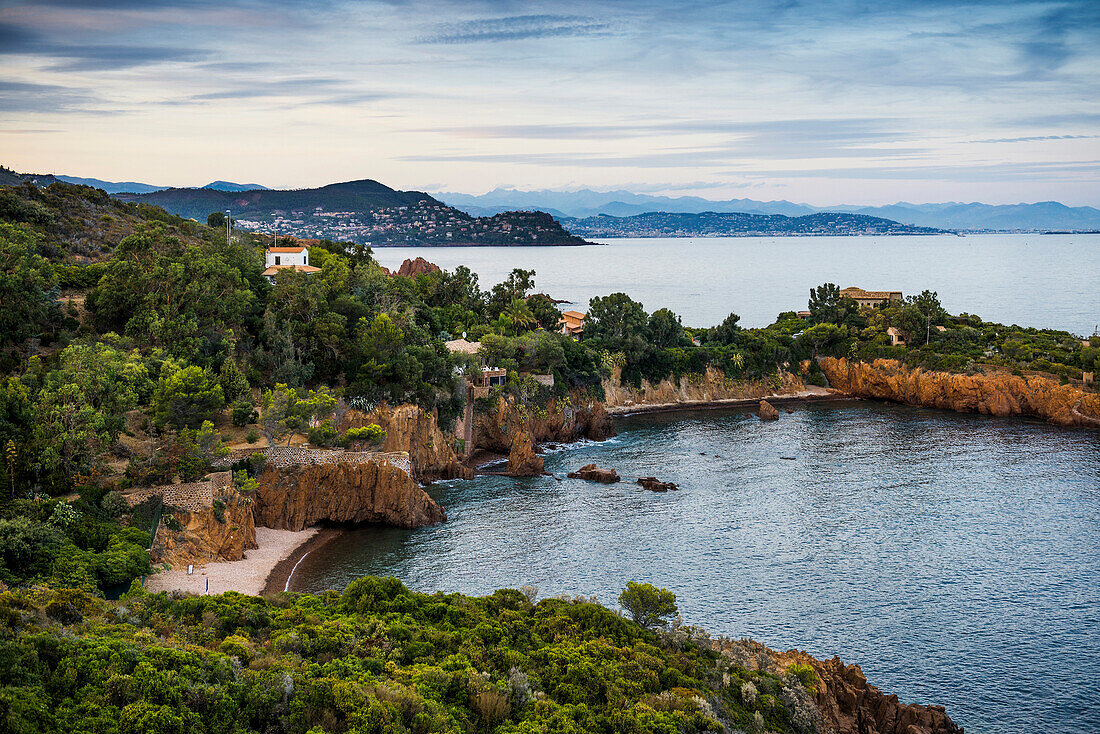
190 496
284 457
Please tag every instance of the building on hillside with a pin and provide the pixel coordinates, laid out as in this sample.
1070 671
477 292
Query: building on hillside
870 299
281 258
804 315
896 339
572 323
461 346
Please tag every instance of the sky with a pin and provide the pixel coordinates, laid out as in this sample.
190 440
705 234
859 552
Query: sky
816 102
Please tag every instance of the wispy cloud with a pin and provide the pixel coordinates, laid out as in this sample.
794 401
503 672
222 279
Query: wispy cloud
516 28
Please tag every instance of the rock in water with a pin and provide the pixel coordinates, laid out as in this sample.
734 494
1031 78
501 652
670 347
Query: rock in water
767 411
522 459
593 473
655 485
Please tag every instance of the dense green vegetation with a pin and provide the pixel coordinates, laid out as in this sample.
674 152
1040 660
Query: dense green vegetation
168 334
376 658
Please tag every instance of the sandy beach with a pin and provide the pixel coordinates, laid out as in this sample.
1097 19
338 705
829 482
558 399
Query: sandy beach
247 576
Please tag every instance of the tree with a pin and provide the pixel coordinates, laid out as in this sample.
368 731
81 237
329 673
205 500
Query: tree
28 287
234 384
648 605
186 397
665 329
520 314
927 304
275 407
216 220
614 318
547 315
825 304
726 332
820 337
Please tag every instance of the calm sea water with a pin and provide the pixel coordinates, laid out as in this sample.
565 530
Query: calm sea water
1033 280
955 558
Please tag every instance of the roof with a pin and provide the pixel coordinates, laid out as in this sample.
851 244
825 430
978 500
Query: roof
853 292
287 249
575 315
463 346
300 268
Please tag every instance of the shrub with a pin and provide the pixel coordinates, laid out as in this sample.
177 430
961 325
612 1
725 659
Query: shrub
371 433
806 675
243 413
252 436
219 510
114 504
323 435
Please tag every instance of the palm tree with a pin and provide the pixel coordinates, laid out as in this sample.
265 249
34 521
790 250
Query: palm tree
520 313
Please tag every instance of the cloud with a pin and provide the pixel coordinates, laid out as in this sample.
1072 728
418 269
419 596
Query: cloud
1033 138
53 98
20 40
1058 171
517 28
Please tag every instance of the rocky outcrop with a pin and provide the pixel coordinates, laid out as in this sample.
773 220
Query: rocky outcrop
561 421
767 411
593 473
711 386
991 393
522 459
653 484
412 268
410 429
377 492
208 534
838 700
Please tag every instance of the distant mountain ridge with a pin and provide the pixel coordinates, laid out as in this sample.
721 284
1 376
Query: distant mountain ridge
951 215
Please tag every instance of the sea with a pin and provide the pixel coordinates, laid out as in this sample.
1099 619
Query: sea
954 557
1049 281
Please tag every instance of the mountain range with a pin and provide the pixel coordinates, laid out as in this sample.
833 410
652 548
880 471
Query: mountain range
121 187
583 203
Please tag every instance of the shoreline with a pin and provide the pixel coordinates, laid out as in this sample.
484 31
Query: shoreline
813 395
249 575
278 580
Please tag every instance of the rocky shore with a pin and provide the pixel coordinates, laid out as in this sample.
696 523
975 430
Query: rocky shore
997 393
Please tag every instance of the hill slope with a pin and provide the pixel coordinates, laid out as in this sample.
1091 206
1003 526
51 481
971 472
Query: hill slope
365 211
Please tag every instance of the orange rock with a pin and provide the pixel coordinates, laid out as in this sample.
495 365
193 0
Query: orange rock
522 459
999 393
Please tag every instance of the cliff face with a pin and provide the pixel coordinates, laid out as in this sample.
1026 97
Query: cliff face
844 702
294 498
1000 393
711 386
410 429
560 422
204 538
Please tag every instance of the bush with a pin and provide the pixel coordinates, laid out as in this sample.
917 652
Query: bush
371 433
253 436
323 435
114 504
243 413
219 510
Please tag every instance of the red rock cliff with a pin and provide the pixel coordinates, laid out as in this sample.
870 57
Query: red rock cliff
294 498
410 429
559 422
998 393
204 537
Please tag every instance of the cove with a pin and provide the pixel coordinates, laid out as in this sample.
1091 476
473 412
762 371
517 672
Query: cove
955 557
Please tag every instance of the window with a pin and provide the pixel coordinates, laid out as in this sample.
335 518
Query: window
278 260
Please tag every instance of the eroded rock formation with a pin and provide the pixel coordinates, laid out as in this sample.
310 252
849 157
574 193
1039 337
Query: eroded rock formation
843 702
593 473
990 393
561 422
204 537
294 498
412 268
522 459
410 429
709 387
767 411
653 484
